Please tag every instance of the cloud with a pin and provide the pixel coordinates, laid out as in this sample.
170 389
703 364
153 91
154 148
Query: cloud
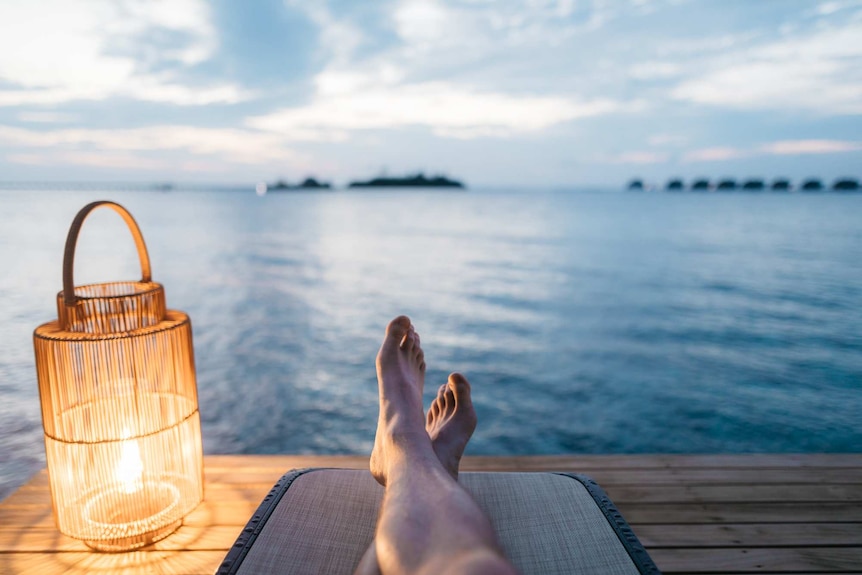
54 51
451 68
655 70
436 26
149 89
820 73
800 147
778 148
339 38
128 148
829 8
724 153
47 117
411 83
448 110
676 47
92 159
642 158
667 140
426 22
714 154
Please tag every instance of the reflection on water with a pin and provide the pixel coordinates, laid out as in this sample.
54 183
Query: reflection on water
587 322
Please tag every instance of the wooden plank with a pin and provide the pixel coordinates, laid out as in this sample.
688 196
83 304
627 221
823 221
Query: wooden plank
30 515
568 462
210 512
275 465
245 492
28 496
815 468
721 476
133 563
243 477
187 537
662 476
556 462
733 493
222 513
764 560
679 513
750 535
636 509
152 562
41 563
283 462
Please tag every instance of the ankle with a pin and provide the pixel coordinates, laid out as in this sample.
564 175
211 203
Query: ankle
407 439
400 422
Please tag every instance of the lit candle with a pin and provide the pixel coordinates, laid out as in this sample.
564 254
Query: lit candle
130 468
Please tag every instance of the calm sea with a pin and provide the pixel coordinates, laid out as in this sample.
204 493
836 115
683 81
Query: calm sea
587 321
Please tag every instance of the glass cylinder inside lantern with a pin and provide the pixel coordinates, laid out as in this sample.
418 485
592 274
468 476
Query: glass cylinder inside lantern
120 411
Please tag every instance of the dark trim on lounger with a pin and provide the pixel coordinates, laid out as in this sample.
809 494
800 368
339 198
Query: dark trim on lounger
632 544
255 525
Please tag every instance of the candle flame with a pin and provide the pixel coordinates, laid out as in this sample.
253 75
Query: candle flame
130 468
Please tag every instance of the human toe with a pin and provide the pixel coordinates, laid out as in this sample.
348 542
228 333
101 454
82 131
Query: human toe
460 388
398 327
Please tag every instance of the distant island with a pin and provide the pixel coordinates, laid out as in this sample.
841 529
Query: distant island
306 184
417 181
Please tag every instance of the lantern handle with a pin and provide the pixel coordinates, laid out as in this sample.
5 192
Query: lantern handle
69 297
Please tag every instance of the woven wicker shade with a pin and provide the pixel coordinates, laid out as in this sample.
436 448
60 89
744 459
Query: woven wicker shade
119 406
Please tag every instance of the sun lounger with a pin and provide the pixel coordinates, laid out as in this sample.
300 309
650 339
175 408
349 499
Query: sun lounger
321 521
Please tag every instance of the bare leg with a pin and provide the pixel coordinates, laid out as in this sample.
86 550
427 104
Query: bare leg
450 423
427 523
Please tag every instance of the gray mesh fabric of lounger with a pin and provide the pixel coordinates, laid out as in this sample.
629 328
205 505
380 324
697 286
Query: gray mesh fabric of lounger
321 521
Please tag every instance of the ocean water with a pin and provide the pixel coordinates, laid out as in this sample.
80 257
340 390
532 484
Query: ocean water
587 321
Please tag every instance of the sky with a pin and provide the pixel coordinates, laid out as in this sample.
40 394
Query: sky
496 93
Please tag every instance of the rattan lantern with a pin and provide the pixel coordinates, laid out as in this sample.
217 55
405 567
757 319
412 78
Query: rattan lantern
119 406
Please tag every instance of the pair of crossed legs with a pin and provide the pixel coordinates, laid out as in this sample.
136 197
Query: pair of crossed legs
428 523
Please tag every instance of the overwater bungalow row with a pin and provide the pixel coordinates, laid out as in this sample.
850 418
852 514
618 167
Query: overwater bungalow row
749 185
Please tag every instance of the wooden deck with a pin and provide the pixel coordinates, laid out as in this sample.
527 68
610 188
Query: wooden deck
695 514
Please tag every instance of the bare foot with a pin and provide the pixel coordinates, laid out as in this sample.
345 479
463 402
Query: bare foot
401 379
451 422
